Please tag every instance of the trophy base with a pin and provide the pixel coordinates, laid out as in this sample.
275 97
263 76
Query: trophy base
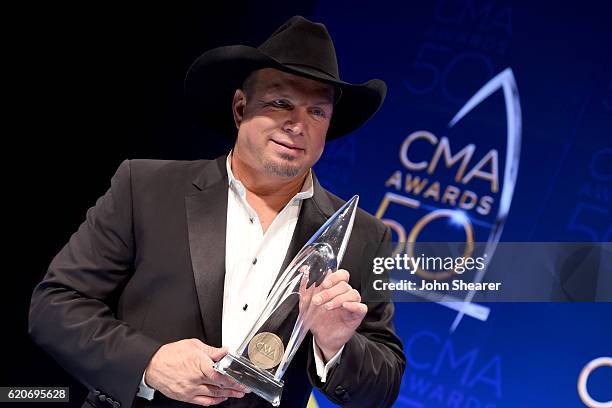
257 380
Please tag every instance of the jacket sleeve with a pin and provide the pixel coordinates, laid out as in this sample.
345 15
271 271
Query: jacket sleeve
372 363
71 316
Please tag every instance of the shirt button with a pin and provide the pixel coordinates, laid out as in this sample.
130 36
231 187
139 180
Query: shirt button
251 220
246 305
254 261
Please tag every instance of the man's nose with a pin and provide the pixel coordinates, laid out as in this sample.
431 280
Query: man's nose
295 123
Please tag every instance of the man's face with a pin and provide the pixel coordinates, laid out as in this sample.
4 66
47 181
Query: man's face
282 122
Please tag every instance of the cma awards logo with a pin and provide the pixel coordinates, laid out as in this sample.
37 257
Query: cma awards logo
450 181
444 372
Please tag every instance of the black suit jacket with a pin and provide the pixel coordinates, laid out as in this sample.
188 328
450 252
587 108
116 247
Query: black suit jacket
147 268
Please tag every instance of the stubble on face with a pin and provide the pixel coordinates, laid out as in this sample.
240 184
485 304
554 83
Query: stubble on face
283 168
261 89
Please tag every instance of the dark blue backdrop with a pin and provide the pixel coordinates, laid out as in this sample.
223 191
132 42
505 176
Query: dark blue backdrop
434 56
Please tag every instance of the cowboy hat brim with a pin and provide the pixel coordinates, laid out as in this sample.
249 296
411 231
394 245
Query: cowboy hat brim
213 77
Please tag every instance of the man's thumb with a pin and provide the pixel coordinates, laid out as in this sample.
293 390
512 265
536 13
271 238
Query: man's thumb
215 353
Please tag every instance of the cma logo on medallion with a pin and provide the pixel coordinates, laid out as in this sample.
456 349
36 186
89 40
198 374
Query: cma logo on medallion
267 350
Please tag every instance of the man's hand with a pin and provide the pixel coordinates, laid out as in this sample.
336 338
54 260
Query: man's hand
336 311
183 371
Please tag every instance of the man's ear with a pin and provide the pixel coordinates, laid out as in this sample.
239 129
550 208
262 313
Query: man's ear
238 106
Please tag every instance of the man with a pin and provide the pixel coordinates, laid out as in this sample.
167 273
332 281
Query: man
177 258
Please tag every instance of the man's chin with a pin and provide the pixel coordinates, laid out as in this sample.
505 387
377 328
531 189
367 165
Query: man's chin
283 166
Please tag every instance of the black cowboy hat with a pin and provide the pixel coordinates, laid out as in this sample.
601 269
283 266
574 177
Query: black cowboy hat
299 47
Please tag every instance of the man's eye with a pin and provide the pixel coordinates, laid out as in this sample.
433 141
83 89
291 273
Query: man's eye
318 112
280 103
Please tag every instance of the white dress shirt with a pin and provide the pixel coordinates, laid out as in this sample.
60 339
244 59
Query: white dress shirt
252 261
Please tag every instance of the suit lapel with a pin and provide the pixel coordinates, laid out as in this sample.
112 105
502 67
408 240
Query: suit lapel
314 212
207 220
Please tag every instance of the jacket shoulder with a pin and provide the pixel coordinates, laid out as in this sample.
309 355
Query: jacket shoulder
150 167
152 173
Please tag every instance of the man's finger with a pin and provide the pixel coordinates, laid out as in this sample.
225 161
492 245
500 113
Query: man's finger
217 354
303 291
359 310
213 352
212 377
208 390
207 401
334 278
331 293
349 296
224 381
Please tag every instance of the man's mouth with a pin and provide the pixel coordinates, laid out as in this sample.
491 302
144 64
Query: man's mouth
288 145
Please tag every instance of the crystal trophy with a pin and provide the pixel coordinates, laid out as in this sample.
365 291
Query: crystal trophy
266 352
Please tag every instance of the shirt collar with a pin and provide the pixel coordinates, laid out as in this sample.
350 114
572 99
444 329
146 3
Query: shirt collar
307 190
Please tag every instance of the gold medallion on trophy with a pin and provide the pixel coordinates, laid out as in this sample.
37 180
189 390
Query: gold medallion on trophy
266 350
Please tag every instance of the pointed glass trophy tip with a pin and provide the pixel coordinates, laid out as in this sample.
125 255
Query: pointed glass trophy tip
337 229
346 212
349 207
